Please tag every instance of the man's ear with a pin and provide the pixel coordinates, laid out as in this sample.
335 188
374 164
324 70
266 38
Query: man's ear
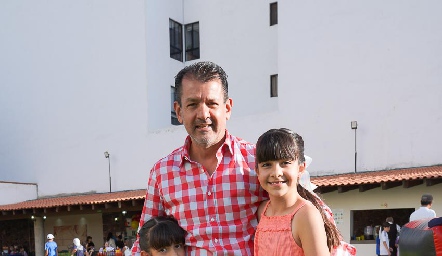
177 108
229 105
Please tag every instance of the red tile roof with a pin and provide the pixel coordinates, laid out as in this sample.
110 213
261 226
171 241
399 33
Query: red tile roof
347 179
419 173
84 199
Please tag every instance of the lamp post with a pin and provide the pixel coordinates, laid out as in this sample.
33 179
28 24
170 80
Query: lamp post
107 155
354 126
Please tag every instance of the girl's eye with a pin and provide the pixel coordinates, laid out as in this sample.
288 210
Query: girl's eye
162 250
287 162
265 164
178 246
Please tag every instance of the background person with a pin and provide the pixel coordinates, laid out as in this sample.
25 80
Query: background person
119 243
425 210
90 246
78 249
111 241
385 249
393 233
51 248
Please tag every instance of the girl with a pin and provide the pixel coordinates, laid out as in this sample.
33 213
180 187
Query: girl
293 221
162 235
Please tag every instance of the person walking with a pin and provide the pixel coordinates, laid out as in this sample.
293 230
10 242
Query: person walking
51 248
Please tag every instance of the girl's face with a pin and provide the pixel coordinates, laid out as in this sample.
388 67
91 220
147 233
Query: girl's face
173 250
280 177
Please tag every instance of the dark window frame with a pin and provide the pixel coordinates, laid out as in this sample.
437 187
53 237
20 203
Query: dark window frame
273 13
173 116
192 41
176 40
274 85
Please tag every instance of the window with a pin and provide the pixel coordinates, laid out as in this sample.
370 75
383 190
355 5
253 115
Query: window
176 40
192 41
274 85
273 13
173 117
373 218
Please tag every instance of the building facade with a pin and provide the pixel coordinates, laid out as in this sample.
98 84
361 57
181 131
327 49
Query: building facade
81 78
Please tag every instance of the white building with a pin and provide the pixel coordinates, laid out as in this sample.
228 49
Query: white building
80 78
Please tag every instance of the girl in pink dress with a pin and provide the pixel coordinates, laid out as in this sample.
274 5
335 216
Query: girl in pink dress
293 221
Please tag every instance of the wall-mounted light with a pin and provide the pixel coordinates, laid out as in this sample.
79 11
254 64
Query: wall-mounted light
44 217
116 219
124 213
354 126
33 217
107 155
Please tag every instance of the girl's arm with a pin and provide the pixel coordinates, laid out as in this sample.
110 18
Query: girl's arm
309 232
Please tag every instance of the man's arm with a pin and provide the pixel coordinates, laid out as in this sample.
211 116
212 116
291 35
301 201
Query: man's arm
152 206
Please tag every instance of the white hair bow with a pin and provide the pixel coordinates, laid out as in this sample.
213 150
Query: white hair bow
304 180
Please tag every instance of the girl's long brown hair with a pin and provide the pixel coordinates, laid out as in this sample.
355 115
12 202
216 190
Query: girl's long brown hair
279 144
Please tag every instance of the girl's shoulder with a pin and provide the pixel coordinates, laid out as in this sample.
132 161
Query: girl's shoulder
261 209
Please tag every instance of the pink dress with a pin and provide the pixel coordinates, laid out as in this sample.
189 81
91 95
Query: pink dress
274 235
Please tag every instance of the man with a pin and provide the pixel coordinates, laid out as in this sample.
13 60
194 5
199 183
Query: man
209 184
51 246
392 234
425 210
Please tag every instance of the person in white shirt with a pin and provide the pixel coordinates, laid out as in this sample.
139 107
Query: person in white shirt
425 211
385 249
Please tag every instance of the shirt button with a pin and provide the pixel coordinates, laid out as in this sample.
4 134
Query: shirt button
216 240
210 193
212 219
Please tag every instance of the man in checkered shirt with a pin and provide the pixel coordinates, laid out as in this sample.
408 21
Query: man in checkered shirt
209 184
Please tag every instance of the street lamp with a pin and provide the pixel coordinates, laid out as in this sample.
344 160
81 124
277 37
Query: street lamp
354 126
107 155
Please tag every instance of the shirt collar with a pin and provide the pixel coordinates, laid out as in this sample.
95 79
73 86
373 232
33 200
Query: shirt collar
186 148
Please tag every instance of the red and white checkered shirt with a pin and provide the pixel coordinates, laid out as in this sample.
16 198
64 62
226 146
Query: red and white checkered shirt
218 210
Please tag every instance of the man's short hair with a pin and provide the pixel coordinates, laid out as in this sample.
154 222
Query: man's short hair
385 224
426 199
389 219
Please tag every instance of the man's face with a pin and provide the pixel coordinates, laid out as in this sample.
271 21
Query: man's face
203 111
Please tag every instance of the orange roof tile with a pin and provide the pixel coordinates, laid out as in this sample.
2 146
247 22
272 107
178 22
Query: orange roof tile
429 172
347 179
83 199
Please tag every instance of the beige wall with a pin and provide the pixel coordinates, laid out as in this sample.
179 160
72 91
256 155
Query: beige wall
93 222
377 198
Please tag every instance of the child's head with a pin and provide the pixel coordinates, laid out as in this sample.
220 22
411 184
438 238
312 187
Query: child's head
279 144
163 235
386 226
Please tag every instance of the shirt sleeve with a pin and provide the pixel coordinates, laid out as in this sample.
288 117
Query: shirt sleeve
152 206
